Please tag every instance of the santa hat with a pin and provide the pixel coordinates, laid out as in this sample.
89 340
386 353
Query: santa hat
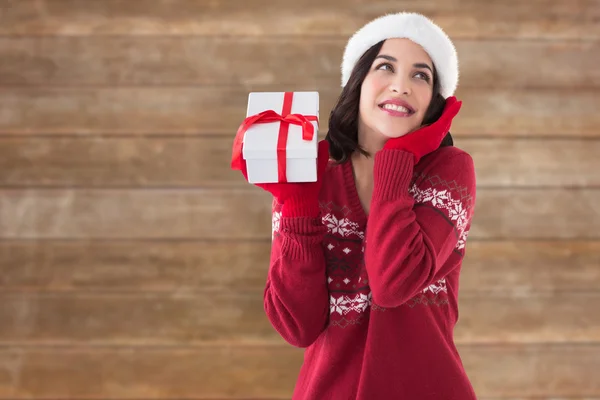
415 27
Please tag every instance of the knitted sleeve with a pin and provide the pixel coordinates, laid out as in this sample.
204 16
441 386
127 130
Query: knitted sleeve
413 231
296 298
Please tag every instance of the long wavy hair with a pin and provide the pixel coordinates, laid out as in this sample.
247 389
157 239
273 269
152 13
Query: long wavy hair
343 119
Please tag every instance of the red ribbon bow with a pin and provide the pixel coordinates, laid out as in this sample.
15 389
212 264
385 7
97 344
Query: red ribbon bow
269 116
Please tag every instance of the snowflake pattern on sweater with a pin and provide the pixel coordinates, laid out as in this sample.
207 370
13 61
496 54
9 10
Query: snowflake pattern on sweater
366 292
454 201
350 295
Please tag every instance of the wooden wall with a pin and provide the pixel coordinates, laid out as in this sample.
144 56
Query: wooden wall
132 260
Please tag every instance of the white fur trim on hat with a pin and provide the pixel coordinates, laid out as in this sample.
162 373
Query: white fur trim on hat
415 27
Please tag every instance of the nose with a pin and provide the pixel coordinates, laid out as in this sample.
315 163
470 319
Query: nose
400 85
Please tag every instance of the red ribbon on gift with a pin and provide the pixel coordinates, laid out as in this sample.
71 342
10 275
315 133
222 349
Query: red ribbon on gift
269 116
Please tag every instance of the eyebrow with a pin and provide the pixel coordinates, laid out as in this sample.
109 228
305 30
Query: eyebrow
390 58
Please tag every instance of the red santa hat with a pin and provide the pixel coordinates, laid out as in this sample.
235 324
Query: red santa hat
415 27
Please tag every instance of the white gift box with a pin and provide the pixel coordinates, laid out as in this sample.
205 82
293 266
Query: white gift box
261 140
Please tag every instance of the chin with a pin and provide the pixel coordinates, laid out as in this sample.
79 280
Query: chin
393 132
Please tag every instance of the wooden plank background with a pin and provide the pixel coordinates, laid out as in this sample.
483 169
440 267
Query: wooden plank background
133 259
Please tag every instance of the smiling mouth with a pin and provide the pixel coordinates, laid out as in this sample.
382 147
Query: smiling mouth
393 108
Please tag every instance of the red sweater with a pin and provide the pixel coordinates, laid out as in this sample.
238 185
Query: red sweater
374 299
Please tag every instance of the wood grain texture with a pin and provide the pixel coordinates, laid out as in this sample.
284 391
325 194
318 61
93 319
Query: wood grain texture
499 268
260 371
532 162
523 267
208 318
117 162
206 110
134 260
246 214
460 18
551 214
179 162
135 266
245 61
199 213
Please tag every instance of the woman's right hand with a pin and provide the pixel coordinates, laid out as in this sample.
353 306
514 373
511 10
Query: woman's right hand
299 199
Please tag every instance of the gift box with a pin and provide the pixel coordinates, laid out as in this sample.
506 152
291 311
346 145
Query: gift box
278 138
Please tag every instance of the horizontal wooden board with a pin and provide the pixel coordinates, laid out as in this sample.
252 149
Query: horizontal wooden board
523 266
512 267
460 18
246 214
536 213
117 162
203 318
248 61
532 162
200 213
260 371
147 266
205 161
170 110
135 320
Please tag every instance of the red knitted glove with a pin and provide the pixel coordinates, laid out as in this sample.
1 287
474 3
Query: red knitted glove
428 138
299 199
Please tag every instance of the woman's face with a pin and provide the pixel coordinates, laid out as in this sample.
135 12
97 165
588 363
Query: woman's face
396 91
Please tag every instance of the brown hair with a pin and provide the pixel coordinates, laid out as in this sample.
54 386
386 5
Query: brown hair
343 119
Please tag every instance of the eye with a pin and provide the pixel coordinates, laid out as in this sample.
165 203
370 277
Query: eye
424 76
391 68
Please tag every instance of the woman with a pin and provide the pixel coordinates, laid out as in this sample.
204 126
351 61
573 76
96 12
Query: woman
365 262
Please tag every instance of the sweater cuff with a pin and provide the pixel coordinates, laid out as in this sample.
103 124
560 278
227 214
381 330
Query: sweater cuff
392 173
301 207
302 236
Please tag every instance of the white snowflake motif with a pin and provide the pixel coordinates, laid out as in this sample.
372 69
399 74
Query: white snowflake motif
442 200
275 223
463 240
337 225
435 288
416 193
361 302
344 304
457 213
338 305
437 198
342 226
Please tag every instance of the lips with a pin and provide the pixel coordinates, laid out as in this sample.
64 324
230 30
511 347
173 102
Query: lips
397 107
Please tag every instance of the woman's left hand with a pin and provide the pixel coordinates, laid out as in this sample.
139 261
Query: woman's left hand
428 138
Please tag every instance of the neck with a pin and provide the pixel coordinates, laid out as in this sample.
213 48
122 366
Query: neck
372 142
362 162
363 165
363 170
